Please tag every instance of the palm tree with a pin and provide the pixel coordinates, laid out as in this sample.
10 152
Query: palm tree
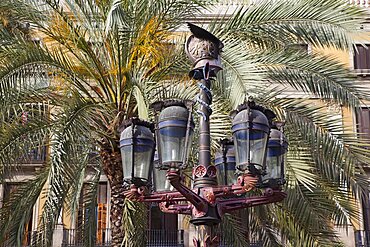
99 54
106 62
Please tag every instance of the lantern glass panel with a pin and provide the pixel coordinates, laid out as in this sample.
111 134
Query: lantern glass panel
160 180
143 143
231 177
277 147
172 141
225 163
273 162
256 140
126 154
221 174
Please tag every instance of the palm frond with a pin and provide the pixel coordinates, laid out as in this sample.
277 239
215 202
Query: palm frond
233 232
314 74
135 224
278 23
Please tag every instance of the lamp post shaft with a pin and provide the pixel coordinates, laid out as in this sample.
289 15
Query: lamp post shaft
207 219
205 100
204 127
204 49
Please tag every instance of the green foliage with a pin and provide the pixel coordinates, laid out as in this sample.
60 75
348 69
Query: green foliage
135 215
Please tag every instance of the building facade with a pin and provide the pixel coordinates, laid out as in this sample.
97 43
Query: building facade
173 230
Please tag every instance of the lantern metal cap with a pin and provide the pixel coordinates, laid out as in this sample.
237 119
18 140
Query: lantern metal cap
252 105
255 116
174 109
142 132
226 141
137 121
276 134
250 112
159 105
174 113
277 138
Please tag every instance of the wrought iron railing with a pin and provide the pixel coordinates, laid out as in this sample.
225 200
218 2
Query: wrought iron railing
37 155
155 238
165 238
76 238
361 3
253 242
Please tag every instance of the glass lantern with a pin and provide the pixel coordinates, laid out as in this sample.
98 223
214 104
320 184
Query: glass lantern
250 129
160 180
277 147
225 163
175 130
137 148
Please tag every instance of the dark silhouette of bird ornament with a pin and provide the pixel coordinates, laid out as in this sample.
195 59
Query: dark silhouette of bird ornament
203 47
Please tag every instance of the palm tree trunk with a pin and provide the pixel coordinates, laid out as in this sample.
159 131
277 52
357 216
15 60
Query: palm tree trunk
132 214
112 167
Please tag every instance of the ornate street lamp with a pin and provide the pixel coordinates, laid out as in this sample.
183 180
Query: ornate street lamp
137 150
174 132
251 128
254 159
225 163
277 147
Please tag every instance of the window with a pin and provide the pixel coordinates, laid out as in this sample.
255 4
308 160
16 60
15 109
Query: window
361 59
100 210
102 213
31 153
363 123
363 128
11 188
162 229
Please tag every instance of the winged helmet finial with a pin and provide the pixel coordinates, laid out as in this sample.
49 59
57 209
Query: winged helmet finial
203 49
201 33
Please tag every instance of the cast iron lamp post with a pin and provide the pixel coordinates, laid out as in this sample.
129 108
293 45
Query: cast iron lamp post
253 159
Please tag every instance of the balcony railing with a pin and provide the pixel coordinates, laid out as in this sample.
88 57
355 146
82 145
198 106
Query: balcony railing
254 241
165 238
361 3
75 238
155 238
37 155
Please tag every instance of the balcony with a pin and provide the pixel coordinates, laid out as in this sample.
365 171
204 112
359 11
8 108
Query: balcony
155 238
35 156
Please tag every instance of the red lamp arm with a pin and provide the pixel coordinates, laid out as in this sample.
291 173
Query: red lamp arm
229 205
199 203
